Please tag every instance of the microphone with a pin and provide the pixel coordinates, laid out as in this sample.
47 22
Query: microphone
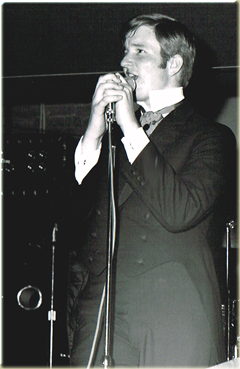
110 114
110 108
109 121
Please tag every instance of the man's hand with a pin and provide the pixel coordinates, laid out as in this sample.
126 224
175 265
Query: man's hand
111 88
106 91
125 114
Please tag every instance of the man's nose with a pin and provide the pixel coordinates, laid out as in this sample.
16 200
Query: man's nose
126 61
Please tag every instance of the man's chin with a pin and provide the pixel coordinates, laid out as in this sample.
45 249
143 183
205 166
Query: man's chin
140 97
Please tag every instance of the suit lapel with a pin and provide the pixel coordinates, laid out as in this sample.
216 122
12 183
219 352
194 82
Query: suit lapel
124 189
171 127
167 132
125 193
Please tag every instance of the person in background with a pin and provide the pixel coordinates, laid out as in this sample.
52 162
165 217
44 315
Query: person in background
173 170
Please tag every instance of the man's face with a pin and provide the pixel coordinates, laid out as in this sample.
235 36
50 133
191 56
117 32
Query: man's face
142 59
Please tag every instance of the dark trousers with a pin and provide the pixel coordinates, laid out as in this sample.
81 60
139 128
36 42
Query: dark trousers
159 320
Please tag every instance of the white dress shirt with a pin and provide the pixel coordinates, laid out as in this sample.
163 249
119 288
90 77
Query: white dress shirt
134 143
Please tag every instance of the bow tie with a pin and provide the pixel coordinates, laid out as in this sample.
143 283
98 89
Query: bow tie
150 118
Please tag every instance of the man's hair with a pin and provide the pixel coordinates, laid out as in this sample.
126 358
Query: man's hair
173 37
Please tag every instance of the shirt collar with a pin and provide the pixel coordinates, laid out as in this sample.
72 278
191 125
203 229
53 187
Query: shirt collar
160 99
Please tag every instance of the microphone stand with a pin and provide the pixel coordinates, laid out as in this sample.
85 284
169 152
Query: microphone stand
52 313
110 118
229 226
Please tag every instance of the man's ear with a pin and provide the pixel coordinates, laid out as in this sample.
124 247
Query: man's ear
174 64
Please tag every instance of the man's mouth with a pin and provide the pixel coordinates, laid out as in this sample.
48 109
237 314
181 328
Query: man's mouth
131 79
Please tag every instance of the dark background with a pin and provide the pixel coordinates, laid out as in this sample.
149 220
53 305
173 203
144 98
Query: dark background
78 38
53 54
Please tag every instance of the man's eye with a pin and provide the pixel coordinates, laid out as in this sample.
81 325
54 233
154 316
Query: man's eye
140 51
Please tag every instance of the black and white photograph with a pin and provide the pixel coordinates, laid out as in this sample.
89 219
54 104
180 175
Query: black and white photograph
119 184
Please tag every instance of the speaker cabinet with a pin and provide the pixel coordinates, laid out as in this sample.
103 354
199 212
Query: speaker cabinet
34 168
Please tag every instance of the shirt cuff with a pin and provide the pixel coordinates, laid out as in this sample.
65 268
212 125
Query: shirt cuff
84 163
135 143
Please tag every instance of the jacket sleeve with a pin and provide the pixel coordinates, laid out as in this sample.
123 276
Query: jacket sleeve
182 188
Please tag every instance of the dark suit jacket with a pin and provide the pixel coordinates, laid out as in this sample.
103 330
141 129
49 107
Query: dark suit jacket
168 202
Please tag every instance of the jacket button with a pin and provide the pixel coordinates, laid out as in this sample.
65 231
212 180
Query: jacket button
140 262
143 237
147 216
94 234
90 259
142 183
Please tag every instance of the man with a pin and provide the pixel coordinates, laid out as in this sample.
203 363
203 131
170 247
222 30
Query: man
172 176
